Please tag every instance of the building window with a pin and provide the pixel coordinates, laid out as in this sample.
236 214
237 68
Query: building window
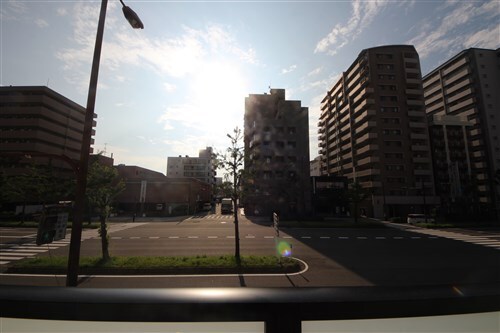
291 130
394 167
385 66
389 109
391 132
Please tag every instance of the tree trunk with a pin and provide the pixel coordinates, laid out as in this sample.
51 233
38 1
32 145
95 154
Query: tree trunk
104 239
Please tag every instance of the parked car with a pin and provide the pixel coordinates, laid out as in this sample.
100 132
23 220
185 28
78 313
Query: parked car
418 218
207 206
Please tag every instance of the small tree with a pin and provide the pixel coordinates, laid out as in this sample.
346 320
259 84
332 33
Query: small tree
232 162
356 195
38 184
103 185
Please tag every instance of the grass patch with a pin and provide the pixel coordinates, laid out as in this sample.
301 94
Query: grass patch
159 265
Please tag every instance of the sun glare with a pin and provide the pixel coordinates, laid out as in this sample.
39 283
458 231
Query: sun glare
219 89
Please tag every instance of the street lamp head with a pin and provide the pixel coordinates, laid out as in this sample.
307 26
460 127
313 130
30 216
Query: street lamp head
132 17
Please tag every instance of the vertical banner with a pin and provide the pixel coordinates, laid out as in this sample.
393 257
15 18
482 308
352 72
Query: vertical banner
142 194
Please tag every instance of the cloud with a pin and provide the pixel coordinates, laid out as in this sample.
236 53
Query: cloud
433 39
12 10
176 56
61 11
363 13
315 71
289 69
169 87
41 23
486 38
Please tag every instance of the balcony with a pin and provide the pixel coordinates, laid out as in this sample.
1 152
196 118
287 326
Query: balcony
368 172
430 100
454 66
418 136
419 148
463 104
413 81
365 114
457 86
459 75
367 148
422 172
414 113
367 136
368 160
414 92
414 124
421 160
366 125
363 104
414 102
435 107
412 70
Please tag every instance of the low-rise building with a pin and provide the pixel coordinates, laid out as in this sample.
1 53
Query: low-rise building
151 193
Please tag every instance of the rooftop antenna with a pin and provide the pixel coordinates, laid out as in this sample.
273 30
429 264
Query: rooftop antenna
105 146
48 80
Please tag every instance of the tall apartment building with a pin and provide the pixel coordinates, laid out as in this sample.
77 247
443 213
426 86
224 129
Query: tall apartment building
467 86
40 124
451 159
201 167
276 140
373 130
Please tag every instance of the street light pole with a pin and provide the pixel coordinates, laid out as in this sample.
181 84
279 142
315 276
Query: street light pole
81 182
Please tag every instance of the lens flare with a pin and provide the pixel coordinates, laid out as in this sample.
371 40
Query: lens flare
284 249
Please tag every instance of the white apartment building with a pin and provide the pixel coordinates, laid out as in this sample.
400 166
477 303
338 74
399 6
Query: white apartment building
201 167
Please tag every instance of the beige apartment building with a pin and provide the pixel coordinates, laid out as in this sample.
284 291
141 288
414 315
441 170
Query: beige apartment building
373 129
201 167
276 140
38 125
466 87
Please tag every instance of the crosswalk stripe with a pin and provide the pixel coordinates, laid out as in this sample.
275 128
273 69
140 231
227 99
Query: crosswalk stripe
17 250
10 258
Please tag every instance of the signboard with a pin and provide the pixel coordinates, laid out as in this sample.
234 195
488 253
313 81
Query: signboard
52 225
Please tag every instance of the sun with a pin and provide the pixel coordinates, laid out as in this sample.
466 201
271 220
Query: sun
219 89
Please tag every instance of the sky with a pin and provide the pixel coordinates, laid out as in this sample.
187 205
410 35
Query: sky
179 85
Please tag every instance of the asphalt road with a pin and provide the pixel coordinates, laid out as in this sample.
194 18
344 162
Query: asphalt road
334 257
